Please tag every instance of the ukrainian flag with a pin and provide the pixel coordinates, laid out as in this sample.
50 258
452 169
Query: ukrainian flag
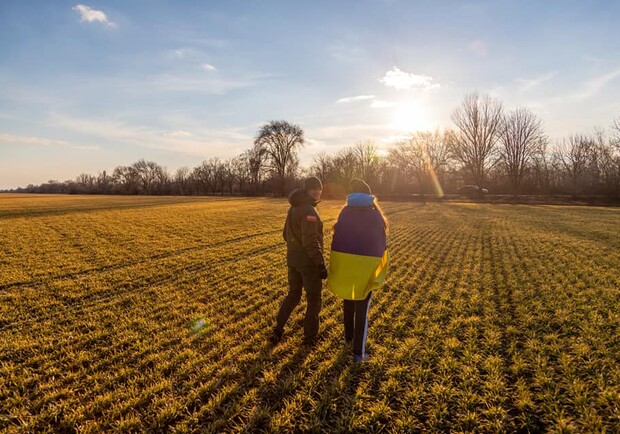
359 258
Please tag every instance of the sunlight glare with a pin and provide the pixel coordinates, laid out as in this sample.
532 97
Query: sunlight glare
410 116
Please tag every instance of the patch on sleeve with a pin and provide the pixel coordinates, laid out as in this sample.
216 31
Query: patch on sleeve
311 218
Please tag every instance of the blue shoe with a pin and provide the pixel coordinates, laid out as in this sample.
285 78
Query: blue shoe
357 358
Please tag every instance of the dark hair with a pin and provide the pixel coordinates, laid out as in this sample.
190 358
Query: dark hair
386 227
313 183
359 186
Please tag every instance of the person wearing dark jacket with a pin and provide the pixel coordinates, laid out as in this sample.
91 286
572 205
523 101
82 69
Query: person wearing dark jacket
303 233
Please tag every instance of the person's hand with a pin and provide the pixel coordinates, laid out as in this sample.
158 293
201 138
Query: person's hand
322 271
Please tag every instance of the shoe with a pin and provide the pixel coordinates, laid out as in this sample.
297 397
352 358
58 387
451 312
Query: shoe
357 358
276 336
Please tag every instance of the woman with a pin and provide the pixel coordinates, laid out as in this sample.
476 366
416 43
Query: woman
359 261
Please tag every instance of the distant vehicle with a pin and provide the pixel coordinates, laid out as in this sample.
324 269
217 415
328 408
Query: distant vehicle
472 191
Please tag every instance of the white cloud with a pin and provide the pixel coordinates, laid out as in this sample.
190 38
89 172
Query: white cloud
208 67
595 85
223 142
181 53
91 15
528 83
404 80
479 47
382 104
197 83
10 139
355 98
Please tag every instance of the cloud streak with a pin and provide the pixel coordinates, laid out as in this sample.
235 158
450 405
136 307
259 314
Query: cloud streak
10 139
92 15
197 143
405 80
355 98
595 85
529 83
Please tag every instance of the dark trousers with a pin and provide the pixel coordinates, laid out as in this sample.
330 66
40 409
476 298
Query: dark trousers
356 323
310 279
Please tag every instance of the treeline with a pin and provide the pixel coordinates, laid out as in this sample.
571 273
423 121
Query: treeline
506 152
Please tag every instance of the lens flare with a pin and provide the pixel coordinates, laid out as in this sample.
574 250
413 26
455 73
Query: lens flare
199 326
431 171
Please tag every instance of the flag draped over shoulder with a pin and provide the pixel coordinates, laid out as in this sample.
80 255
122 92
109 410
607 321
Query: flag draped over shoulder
359 258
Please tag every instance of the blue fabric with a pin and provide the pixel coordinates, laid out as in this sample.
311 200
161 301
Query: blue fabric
360 199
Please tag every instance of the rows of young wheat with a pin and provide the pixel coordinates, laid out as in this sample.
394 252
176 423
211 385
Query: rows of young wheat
494 318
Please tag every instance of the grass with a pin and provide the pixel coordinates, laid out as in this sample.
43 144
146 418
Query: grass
152 314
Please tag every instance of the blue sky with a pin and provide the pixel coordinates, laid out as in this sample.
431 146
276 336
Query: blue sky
85 87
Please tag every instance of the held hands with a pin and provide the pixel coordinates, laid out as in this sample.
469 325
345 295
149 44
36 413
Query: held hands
322 271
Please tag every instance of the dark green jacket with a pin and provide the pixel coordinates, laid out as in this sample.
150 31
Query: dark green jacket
303 232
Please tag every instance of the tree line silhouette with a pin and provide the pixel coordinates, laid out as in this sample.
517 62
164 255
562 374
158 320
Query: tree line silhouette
506 152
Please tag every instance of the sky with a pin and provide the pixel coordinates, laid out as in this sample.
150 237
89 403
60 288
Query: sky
86 87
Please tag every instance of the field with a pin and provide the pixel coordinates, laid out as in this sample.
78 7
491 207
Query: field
152 314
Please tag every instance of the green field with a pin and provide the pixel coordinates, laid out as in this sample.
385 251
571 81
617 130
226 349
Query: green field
494 318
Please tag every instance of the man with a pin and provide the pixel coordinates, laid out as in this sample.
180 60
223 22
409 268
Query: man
303 233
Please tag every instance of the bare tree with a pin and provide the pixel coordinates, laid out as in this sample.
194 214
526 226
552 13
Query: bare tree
86 183
615 139
478 122
218 170
293 168
181 179
229 175
126 179
104 182
206 175
435 154
405 159
322 166
280 140
241 169
367 159
162 183
604 164
345 166
386 176
542 170
573 155
521 137
423 157
151 176
255 158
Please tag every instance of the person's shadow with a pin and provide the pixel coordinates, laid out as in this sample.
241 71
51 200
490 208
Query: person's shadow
334 392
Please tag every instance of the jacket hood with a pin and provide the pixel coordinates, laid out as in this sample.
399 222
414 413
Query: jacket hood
360 199
300 197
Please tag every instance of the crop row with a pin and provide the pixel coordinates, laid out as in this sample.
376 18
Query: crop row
494 318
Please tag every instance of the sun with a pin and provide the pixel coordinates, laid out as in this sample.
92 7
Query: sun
410 116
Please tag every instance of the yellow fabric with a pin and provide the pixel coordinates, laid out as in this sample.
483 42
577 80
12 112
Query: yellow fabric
352 277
